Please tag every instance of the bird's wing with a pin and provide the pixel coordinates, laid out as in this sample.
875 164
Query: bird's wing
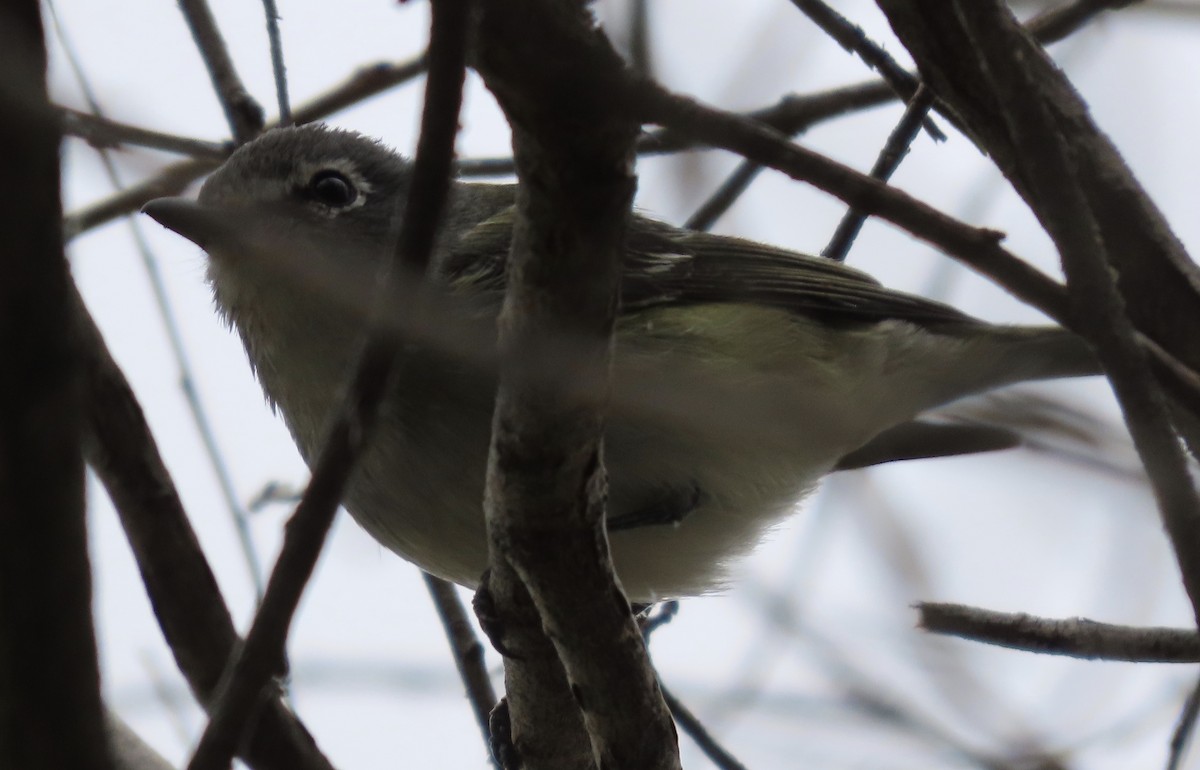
665 266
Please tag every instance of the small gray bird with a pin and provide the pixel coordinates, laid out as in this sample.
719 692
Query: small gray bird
742 373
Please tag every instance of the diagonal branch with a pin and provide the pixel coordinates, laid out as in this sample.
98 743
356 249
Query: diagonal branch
260 658
187 603
243 113
1075 182
468 651
851 37
367 82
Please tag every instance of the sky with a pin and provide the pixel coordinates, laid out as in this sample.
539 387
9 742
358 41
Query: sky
812 657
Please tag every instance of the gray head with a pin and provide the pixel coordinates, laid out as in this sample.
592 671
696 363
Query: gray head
295 217
310 183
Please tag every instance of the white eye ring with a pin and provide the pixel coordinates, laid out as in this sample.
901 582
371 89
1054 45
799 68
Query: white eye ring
332 188
332 175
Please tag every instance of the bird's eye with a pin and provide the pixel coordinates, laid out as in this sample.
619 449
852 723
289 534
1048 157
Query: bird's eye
332 188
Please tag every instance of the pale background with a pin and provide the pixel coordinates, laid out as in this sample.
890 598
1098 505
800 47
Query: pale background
812 659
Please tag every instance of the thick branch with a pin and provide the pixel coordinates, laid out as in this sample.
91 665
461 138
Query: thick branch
50 711
1160 283
1075 182
546 485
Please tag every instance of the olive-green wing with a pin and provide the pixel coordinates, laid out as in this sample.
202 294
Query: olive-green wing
665 266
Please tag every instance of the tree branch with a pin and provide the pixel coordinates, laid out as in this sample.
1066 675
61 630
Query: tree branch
1074 180
105 133
243 113
467 650
1073 637
546 486
367 82
852 38
351 427
50 710
183 592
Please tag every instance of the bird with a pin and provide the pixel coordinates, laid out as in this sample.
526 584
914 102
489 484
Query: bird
742 373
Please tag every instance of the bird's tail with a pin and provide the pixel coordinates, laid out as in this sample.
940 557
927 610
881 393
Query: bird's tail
1038 353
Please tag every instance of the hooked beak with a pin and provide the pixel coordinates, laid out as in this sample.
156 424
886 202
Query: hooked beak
203 225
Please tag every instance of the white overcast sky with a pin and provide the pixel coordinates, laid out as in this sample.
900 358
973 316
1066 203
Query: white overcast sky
826 600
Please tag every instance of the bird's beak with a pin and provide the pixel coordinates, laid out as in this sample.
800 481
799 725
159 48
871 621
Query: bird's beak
203 225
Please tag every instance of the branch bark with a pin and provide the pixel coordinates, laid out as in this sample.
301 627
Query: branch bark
241 691
546 485
182 589
50 710
1072 637
1122 261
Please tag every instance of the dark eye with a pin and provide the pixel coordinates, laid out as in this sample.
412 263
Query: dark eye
332 188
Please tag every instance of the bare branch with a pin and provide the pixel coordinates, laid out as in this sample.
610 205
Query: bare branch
51 714
1073 637
724 197
1149 259
976 247
889 159
1073 178
365 83
546 488
852 38
243 113
104 133
1058 23
187 603
261 657
692 725
277 67
467 649
1184 729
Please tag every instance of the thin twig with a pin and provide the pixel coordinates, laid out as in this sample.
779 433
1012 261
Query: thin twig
1072 637
243 113
260 657
101 132
363 84
977 247
468 653
890 157
792 115
187 380
366 82
851 37
277 66
1184 729
724 197
666 613
692 725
